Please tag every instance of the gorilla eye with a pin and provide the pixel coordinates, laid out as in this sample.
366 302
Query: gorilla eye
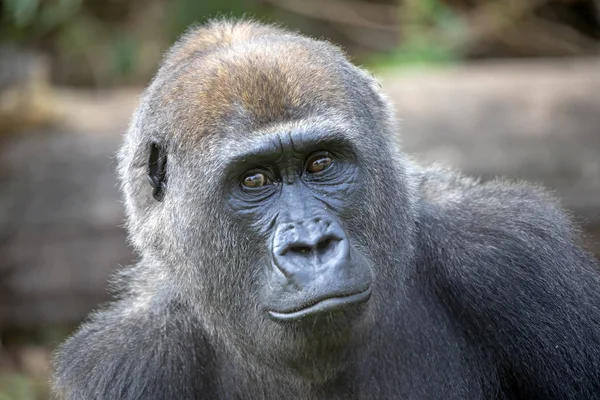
255 180
318 163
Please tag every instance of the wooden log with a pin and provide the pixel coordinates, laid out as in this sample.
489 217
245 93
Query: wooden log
61 217
537 121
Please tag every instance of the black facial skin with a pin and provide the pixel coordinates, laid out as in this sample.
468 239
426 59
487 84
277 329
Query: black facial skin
304 182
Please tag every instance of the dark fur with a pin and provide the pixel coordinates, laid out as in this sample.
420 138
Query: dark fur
481 290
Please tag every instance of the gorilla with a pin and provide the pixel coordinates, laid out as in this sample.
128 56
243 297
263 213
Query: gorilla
289 250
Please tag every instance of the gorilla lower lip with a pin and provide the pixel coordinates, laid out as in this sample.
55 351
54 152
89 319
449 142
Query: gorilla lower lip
328 304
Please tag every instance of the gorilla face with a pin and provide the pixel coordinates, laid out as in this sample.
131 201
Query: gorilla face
283 202
267 228
295 187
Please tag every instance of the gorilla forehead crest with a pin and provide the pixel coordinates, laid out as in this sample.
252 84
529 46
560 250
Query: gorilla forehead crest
251 75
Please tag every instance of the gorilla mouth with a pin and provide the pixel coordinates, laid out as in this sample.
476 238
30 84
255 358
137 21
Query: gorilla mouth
322 304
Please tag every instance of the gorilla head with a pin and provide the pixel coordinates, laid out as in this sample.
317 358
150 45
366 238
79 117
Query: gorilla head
277 199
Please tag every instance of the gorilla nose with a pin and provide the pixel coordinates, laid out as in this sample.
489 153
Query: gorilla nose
302 248
319 247
316 271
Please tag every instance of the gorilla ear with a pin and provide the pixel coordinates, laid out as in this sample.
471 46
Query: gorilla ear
157 169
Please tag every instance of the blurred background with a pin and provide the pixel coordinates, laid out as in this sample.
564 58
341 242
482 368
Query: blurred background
493 87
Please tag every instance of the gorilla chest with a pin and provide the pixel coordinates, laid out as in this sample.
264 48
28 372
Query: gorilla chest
414 368
422 382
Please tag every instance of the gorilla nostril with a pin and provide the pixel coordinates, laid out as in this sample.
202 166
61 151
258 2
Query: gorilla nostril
326 244
299 249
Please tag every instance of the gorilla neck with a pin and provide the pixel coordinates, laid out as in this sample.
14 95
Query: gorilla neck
307 369
318 354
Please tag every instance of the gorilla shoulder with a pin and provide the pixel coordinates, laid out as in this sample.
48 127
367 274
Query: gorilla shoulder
144 346
514 223
494 209
506 263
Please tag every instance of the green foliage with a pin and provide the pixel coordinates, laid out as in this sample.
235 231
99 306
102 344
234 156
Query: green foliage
431 34
94 47
29 19
20 387
125 55
183 13
22 12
